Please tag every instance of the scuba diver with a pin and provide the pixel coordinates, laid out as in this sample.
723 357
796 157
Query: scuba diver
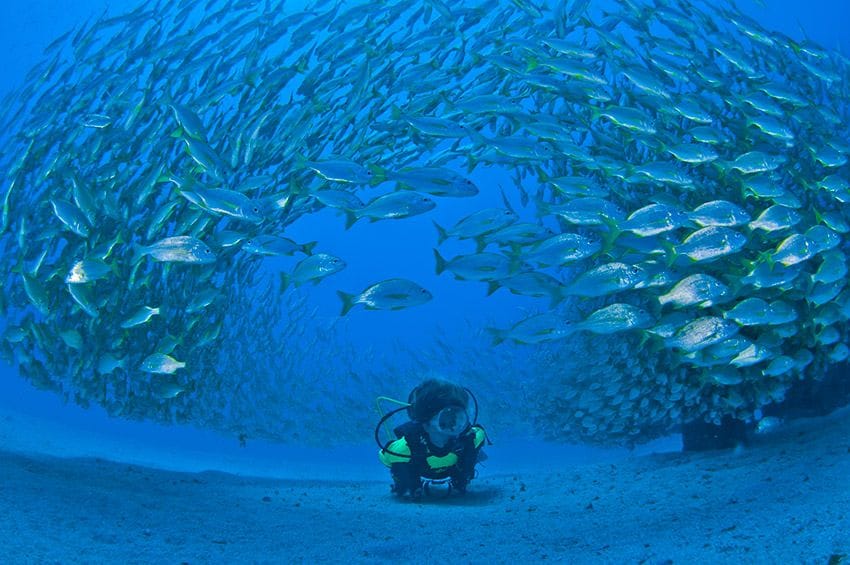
440 445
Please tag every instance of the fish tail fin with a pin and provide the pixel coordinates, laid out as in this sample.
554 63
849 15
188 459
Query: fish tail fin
515 255
735 285
134 271
610 236
442 235
396 112
723 169
644 337
308 247
139 251
351 218
595 114
766 257
441 262
379 175
285 279
301 161
251 79
114 269
556 297
492 286
515 258
301 65
289 202
348 301
498 335
670 251
472 162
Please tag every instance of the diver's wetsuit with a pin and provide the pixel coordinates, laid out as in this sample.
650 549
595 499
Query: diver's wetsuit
413 456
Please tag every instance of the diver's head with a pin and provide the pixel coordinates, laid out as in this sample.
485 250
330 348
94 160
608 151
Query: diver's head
440 406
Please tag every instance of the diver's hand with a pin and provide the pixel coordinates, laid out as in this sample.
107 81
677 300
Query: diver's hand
458 490
405 480
402 491
413 494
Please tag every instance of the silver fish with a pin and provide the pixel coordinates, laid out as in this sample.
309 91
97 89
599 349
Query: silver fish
390 294
177 249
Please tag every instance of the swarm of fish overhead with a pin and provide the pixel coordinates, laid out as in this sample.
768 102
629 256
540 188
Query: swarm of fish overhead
677 171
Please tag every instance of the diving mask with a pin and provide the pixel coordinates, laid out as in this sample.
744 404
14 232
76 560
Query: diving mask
451 420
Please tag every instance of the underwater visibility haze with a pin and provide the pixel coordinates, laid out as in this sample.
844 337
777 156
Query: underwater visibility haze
609 220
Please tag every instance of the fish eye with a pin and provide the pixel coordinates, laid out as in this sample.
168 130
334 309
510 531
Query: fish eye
369 173
423 291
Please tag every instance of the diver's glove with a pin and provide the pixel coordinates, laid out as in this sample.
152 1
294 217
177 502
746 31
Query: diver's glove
468 457
405 479
400 491
458 484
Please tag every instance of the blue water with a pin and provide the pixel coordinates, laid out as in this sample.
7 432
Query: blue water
372 251
387 248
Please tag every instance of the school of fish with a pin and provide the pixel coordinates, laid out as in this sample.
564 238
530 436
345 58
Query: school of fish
676 191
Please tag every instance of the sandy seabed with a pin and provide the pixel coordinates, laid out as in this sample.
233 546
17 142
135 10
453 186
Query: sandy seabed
783 499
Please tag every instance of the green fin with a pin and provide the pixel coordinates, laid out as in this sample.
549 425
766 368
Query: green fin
350 218
442 235
610 237
379 175
348 301
497 334
441 263
671 252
